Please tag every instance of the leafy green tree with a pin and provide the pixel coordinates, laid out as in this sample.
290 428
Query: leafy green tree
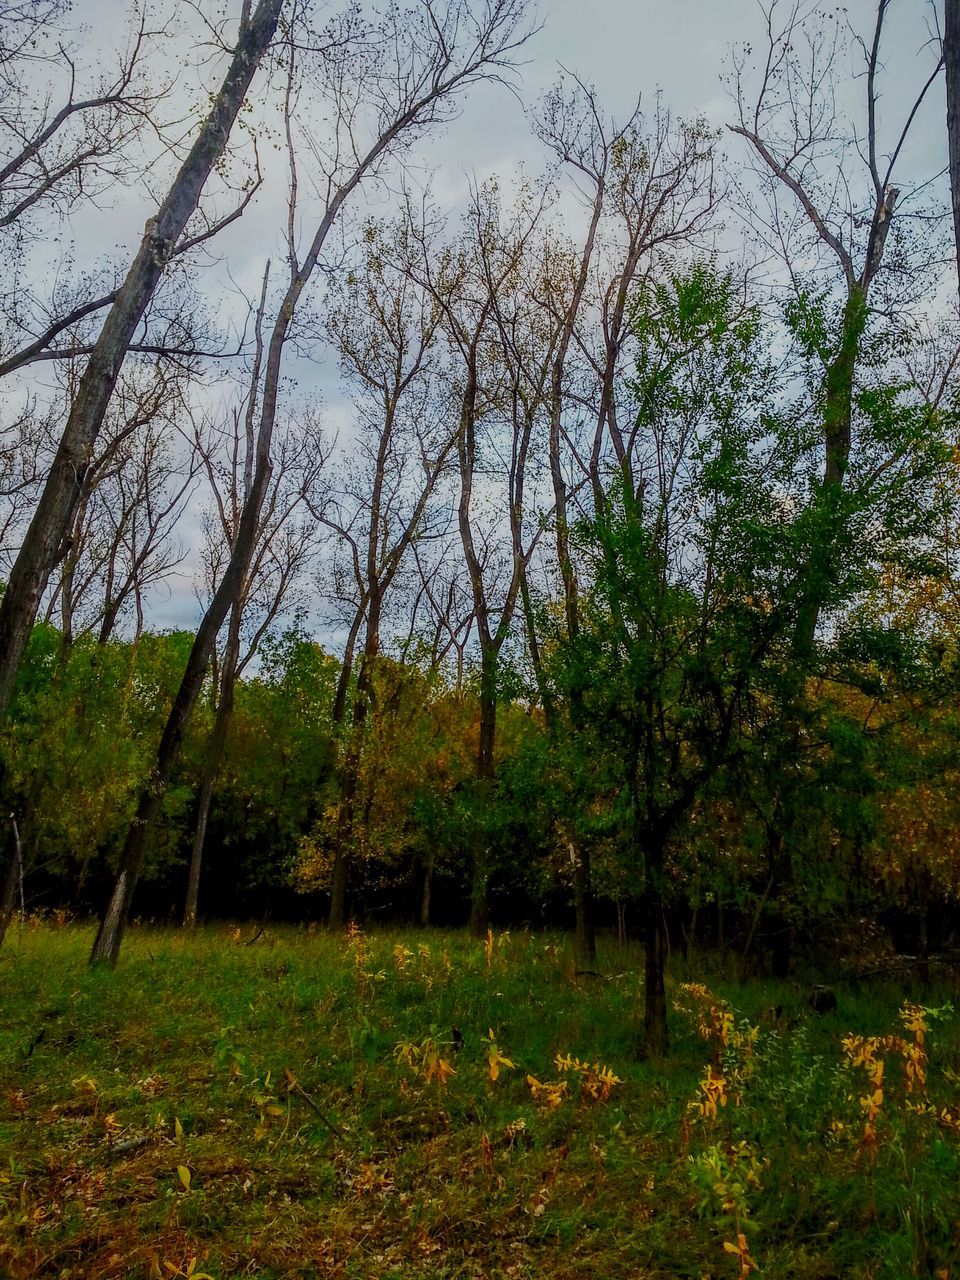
279 760
78 747
699 559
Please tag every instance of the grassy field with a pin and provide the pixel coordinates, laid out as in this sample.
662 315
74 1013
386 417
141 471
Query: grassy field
313 1106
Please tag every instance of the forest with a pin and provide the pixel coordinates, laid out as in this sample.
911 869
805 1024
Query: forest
450 625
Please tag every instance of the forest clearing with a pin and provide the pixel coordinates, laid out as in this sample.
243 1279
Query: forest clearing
479 497
423 1104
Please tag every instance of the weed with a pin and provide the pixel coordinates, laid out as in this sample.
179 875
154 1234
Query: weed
389 1104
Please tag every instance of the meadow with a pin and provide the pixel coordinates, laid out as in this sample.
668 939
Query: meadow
422 1104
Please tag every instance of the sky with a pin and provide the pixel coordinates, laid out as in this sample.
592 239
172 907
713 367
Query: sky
625 48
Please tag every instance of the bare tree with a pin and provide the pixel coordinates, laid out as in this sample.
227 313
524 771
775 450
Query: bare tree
44 539
448 605
121 541
24 457
951 62
284 545
385 330
381 92
832 197
65 133
74 129
481 287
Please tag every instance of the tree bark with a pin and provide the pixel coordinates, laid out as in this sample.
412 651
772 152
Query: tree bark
585 937
338 889
14 879
780 864
479 893
427 888
350 769
215 750
480 866
337 916
656 1038
951 59
44 540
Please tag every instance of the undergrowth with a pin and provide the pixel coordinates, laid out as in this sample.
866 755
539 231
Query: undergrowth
405 1104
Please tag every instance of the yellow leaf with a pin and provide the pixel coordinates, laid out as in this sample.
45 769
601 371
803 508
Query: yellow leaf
177 1129
730 1248
184 1175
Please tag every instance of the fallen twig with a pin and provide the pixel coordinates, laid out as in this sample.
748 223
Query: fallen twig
294 1086
129 1144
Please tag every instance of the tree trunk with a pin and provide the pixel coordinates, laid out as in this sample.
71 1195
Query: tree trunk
343 839
14 879
951 60
585 938
780 865
337 917
585 945
43 543
480 870
425 896
350 770
215 750
781 948
652 845
488 719
721 934
479 895
656 1038
924 948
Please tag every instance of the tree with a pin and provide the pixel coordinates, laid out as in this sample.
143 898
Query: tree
400 87
121 539
71 123
278 766
479 285
675 631
857 227
385 331
697 563
283 547
78 748
43 541
645 189
951 62
843 232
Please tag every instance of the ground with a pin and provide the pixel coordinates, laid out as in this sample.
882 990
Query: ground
419 1104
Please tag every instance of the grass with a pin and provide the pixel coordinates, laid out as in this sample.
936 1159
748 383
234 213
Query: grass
147 1118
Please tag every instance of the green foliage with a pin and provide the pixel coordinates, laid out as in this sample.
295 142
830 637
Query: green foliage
278 763
78 745
197 1056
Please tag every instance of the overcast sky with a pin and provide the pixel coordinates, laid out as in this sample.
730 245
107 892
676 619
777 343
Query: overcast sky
625 48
